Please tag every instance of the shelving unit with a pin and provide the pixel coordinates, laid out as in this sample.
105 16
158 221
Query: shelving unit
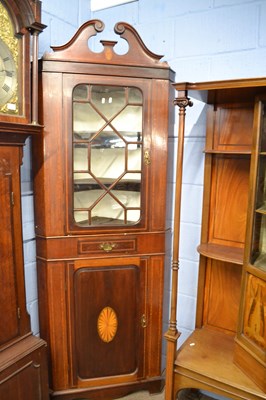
214 357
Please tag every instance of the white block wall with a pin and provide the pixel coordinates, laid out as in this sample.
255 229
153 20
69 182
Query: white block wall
201 40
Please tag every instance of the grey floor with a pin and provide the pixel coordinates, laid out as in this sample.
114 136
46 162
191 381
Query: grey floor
184 395
144 396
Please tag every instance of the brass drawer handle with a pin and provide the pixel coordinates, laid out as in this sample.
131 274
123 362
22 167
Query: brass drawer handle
107 246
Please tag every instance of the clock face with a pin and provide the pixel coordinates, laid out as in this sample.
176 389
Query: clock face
8 77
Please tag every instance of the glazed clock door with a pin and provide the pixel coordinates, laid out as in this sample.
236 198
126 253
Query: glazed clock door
11 67
106 318
252 332
108 153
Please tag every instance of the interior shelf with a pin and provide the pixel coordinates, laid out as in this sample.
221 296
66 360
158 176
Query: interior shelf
229 152
207 358
223 253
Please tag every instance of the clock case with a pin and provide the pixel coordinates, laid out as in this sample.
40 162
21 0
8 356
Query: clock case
23 364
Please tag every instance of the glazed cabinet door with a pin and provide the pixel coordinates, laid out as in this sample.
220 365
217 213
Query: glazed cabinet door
251 339
108 152
107 319
12 297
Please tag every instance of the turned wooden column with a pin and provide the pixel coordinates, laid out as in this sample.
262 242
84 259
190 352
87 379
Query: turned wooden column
172 335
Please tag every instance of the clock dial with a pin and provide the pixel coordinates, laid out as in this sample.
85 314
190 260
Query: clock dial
8 77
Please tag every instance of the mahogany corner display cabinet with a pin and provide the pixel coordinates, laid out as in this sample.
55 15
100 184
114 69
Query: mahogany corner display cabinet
226 354
23 363
100 200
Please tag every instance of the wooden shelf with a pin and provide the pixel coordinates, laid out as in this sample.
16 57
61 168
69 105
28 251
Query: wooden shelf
223 253
236 153
205 360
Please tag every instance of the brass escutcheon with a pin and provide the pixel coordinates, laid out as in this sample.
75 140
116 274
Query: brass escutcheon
147 157
144 321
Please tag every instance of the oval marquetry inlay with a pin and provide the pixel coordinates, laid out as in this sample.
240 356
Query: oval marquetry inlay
107 324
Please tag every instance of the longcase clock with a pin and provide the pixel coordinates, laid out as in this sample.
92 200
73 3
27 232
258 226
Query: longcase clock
100 185
23 366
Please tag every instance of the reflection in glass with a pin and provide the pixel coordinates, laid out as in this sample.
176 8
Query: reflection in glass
107 155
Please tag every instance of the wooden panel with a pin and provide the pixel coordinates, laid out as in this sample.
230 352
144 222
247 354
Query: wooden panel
106 319
255 313
229 196
158 166
233 128
8 309
23 371
222 295
55 327
15 319
250 365
47 158
155 278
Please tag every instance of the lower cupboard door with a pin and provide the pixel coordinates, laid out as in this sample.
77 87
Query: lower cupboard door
106 320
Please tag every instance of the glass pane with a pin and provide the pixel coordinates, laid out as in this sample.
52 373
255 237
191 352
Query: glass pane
263 130
129 199
81 217
81 92
81 179
259 242
258 254
134 159
86 121
133 216
107 139
261 184
108 100
107 164
80 157
134 96
107 212
88 198
129 123
107 155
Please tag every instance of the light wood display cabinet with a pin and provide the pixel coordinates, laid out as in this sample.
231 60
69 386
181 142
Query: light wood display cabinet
226 354
100 201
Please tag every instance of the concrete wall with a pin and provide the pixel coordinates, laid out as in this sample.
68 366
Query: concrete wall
201 40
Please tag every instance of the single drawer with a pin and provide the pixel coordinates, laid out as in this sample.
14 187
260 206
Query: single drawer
107 245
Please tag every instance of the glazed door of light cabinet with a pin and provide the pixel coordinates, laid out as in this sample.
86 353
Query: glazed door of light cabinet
108 151
12 311
251 355
107 314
